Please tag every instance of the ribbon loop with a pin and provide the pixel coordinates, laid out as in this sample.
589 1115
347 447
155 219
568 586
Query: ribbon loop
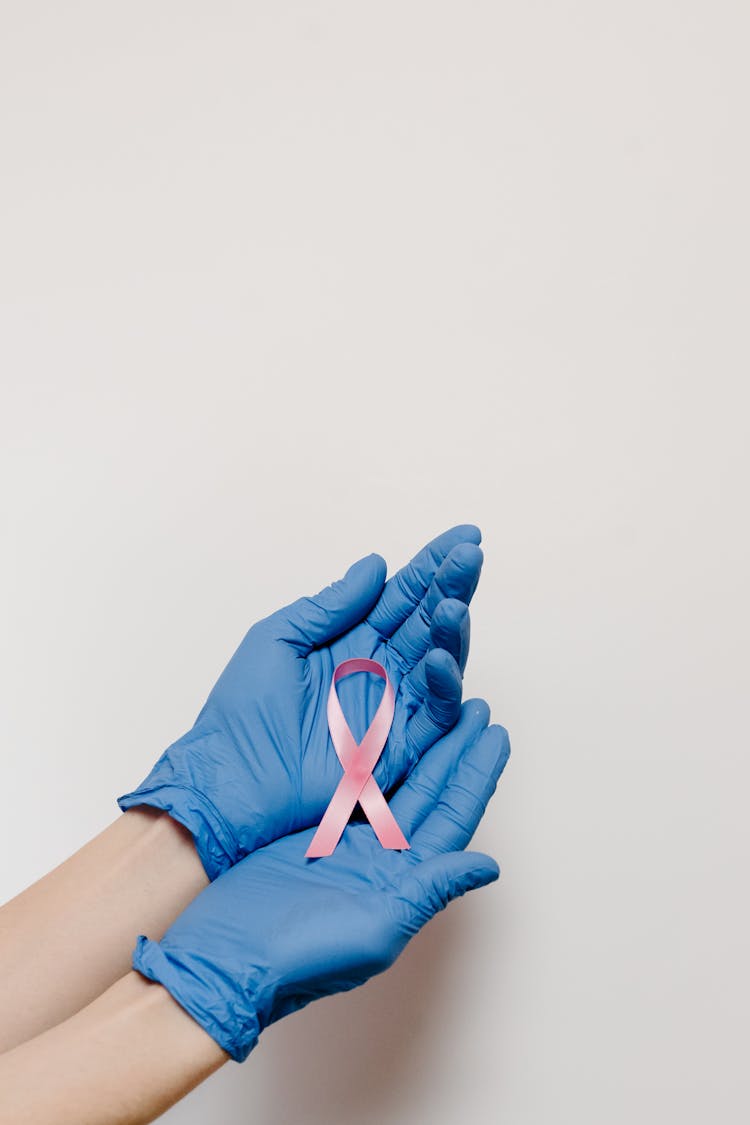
358 761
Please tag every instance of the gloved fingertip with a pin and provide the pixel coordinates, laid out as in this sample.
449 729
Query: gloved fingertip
467 556
466 532
449 614
477 711
486 869
468 871
438 880
373 566
490 754
502 742
443 674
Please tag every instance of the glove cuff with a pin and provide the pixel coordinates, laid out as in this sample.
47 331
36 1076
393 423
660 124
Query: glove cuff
214 840
205 1004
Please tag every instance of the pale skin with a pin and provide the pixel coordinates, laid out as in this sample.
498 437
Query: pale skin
135 877
123 1060
94 1041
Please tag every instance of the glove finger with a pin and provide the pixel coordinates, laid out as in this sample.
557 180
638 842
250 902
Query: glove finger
454 819
449 629
432 884
441 706
310 622
421 791
457 577
407 587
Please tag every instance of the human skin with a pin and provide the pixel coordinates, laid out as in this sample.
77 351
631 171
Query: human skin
134 877
122 1060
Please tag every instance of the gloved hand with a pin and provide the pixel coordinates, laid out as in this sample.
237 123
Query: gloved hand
278 931
258 763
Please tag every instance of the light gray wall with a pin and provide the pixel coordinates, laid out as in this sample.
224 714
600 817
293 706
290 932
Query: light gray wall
284 283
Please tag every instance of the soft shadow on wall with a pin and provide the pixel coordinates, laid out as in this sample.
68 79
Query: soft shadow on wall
362 1056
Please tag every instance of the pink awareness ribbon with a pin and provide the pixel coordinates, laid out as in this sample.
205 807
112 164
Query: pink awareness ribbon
358 761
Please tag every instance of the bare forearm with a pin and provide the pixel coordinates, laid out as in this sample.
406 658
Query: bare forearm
123 1060
70 935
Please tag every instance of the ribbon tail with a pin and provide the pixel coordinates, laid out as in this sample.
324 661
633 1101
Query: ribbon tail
335 818
381 818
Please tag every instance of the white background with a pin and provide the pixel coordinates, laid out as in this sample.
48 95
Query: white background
284 283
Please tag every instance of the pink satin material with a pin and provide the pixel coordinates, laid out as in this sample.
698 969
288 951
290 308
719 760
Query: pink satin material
358 761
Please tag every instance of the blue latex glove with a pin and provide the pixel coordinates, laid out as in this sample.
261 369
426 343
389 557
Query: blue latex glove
259 763
278 931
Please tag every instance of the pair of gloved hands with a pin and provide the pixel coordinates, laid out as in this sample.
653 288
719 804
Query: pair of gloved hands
255 774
